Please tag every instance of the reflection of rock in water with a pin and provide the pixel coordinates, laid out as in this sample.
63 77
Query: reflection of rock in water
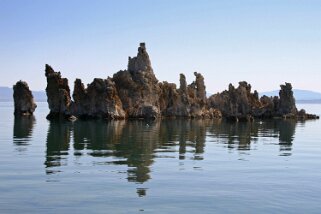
137 143
22 129
58 140
98 136
241 135
238 135
287 131
284 130
131 143
141 192
190 135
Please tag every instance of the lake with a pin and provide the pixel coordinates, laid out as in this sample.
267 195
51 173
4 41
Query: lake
168 166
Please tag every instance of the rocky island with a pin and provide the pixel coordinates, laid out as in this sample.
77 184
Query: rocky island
137 93
24 104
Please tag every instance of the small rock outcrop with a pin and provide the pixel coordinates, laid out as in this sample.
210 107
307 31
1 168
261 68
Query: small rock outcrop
99 100
287 101
171 102
269 107
58 94
197 96
236 103
241 104
24 103
187 101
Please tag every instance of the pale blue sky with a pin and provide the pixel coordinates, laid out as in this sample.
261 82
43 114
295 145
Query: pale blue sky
265 42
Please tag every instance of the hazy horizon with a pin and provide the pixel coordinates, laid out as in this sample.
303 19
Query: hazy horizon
299 94
263 43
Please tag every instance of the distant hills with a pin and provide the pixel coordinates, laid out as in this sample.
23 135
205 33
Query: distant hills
301 96
6 94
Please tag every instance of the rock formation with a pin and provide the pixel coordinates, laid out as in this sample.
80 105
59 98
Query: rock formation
136 93
287 101
138 87
269 106
58 94
99 100
236 103
24 103
241 104
197 96
187 101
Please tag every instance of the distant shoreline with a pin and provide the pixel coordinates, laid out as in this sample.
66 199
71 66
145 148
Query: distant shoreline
308 101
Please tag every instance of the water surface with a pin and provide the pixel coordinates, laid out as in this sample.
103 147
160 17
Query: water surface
178 166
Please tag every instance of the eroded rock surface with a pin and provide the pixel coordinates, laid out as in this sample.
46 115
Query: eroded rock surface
138 88
58 94
287 101
237 103
24 103
197 97
99 100
241 104
137 93
186 101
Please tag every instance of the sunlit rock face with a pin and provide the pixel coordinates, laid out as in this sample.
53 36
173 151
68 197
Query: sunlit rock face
24 103
58 94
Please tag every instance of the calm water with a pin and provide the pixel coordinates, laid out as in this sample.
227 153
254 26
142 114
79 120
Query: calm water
172 166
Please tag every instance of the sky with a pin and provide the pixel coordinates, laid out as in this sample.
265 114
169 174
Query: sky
265 43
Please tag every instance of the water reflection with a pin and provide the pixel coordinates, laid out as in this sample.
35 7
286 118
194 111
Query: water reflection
285 130
141 192
130 143
22 131
58 139
189 135
235 135
137 144
242 136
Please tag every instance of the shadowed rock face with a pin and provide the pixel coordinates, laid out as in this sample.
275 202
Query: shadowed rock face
58 94
287 101
99 100
141 62
24 103
197 97
187 101
237 103
136 93
241 104
269 106
138 87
